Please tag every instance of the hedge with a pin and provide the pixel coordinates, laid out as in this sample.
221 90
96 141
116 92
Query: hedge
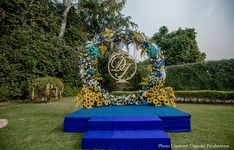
210 75
207 94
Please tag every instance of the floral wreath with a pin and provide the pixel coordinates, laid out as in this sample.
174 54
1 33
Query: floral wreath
153 92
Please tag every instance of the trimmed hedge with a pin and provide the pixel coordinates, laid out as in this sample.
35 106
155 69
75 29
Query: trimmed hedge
210 75
208 94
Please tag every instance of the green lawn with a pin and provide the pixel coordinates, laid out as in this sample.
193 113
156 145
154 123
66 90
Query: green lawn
40 126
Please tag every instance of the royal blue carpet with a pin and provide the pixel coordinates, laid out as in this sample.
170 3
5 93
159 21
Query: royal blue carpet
127 127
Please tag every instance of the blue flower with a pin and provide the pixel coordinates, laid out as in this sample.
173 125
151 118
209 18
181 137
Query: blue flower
156 65
152 51
158 74
93 51
99 38
90 71
163 61
145 44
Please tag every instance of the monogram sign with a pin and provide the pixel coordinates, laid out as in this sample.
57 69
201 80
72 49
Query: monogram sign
122 67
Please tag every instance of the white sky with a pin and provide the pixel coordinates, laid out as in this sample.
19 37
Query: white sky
212 19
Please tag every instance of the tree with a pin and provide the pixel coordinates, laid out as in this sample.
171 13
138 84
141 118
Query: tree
95 16
179 46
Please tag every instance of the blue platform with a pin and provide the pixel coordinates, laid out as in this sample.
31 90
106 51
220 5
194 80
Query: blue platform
127 127
174 120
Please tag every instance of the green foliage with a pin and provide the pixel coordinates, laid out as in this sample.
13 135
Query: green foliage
27 54
38 15
210 75
46 88
179 46
71 90
96 16
209 94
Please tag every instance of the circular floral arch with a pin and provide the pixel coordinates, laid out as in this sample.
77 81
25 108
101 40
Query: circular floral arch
153 93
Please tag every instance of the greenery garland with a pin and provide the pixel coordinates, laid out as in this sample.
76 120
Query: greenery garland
153 92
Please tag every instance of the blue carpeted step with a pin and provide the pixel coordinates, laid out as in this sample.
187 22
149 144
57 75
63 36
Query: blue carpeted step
126 139
125 123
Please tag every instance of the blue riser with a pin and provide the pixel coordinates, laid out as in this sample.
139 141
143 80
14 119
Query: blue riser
127 139
125 123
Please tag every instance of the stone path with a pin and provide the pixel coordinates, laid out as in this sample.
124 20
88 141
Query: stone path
3 123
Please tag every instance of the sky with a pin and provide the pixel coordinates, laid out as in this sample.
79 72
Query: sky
212 19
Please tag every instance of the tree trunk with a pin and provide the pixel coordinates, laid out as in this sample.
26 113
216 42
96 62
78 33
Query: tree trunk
67 6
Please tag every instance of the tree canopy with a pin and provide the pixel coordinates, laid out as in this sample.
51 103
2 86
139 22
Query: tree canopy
179 46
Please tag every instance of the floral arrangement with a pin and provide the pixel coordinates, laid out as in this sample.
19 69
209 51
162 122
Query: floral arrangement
153 92
46 88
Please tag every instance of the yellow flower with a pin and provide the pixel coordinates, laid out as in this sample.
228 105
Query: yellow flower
102 48
97 98
150 94
157 87
160 84
159 104
88 106
145 94
156 93
172 95
166 102
161 97
164 94
88 95
92 101
151 90
99 103
136 35
149 100
155 101
173 104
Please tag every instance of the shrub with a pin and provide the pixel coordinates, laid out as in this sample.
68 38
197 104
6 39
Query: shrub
27 54
210 75
207 94
71 90
46 88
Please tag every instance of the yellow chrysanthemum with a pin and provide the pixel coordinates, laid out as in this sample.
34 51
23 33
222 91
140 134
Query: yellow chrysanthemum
155 101
149 100
164 94
145 94
97 98
166 102
160 84
156 87
88 95
159 104
99 103
88 106
156 93
150 94
151 90
92 101
160 97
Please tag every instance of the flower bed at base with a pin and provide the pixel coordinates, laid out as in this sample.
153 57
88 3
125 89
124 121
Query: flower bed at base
198 96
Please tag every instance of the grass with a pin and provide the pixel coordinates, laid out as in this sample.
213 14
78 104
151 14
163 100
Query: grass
40 126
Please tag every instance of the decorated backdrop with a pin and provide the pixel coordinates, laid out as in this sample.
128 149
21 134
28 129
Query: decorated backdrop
152 93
